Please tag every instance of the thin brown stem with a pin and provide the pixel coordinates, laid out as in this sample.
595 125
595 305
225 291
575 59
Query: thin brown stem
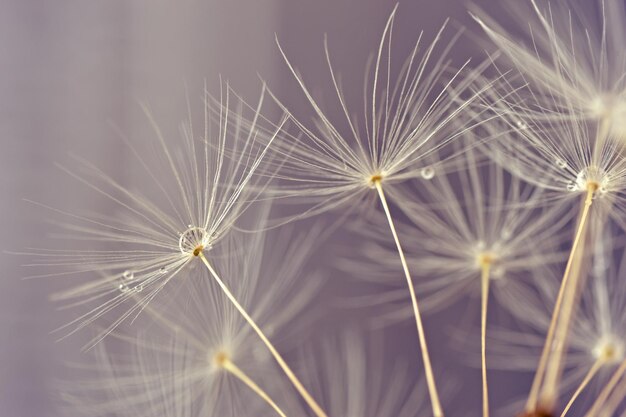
230 366
531 403
614 400
430 378
588 377
604 394
484 298
319 412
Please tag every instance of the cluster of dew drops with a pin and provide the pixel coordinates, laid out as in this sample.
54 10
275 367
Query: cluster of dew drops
127 283
189 239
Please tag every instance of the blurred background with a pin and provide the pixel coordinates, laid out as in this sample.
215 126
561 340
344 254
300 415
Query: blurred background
70 69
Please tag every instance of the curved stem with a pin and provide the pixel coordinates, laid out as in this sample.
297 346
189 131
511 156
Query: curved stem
484 297
604 394
281 362
614 400
588 377
430 378
531 403
229 366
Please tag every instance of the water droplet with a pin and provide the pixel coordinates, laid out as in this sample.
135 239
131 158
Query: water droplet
163 270
138 288
427 173
571 186
192 239
128 275
521 125
189 226
123 287
560 163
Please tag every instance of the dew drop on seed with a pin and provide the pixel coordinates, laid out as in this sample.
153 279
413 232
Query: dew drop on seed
427 173
128 275
571 186
163 270
123 288
560 163
521 125
193 238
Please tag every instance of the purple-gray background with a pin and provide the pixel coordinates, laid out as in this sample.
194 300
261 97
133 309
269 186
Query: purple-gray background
69 68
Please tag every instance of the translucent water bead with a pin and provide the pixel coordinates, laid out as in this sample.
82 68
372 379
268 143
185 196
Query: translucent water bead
193 240
427 173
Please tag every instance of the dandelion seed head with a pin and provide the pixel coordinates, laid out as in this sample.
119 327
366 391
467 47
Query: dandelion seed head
181 211
470 215
610 349
410 111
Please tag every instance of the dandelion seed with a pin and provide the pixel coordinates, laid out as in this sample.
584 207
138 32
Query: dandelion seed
202 191
200 357
480 226
215 184
596 342
404 121
575 63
